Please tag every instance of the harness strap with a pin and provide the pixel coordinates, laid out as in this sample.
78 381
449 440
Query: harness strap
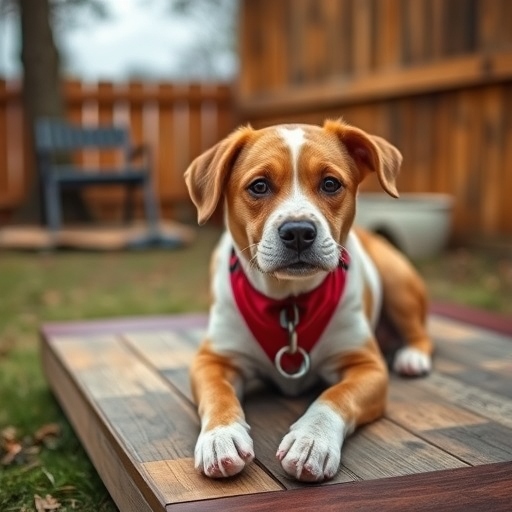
263 314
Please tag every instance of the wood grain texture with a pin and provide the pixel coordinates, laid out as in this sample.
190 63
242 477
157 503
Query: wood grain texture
446 65
478 489
490 405
148 422
178 481
112 463
125 386
469 437
384 449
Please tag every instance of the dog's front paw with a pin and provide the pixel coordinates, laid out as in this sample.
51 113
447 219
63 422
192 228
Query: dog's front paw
411 362
311 451
224 451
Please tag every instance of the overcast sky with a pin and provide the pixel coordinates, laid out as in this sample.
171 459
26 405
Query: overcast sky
137 39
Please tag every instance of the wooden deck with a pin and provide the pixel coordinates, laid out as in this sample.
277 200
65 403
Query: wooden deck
96 238
444 444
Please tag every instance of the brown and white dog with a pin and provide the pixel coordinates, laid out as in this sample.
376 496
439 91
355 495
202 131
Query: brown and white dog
291 279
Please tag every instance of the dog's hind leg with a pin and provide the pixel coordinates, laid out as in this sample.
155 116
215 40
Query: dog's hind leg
405 303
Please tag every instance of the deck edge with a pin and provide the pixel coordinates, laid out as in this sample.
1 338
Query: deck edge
130 499
486 486
473 316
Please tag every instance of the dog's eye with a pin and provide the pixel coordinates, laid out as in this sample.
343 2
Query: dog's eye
259 187
330 185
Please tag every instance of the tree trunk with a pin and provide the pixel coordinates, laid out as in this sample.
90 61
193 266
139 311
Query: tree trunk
42 97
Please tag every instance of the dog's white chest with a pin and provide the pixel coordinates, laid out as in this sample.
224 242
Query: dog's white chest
347 329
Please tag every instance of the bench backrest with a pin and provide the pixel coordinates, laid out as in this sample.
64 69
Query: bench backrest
56 135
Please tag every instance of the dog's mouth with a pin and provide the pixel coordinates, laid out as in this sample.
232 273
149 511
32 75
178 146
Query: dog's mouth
299 269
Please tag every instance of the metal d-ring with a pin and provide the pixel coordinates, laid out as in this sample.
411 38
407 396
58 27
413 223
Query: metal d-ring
304 367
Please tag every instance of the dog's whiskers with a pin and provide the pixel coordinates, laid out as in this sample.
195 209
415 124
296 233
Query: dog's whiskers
341 247
250 246
253 262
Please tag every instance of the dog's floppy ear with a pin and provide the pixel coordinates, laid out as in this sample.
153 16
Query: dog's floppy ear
207 175
370 153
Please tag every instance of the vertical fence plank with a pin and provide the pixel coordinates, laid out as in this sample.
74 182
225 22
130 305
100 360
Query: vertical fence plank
277 67
415 31
363 16
226 117
136 105
490 17
388 39
164 159
91 156
297 28
436 21
4 169
476 162
492 151
90 112
506 164
182 142
406 143
247 34
317 42
342 37
423 142
109 198
18 159
195 132
74 101
461 154
440 164
15 160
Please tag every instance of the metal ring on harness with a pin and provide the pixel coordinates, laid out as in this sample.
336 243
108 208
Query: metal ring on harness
304 367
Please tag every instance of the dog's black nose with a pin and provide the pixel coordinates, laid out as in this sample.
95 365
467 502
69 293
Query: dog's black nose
298 235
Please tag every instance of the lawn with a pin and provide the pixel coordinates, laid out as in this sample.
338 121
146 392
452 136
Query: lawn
35 288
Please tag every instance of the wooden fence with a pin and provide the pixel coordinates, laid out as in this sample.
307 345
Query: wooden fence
177 121
432 76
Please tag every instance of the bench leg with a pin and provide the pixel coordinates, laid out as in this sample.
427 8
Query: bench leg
129 204
52 204
150 206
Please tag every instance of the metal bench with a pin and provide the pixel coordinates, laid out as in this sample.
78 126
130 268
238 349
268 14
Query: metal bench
55 140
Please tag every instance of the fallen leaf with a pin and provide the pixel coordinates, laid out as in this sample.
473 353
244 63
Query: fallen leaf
25 451
46 503
10 446
8 434
12 449
48 435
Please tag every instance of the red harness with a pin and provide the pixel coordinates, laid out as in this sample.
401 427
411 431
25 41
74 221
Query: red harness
263 314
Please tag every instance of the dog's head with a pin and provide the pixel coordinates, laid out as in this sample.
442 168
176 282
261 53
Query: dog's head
290 190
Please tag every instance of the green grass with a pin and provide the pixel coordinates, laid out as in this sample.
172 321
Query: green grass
35 288
471 277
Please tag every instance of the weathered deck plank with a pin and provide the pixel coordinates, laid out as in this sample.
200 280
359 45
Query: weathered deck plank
153 426
125 387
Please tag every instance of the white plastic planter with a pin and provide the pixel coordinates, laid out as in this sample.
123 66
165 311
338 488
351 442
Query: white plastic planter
418 224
